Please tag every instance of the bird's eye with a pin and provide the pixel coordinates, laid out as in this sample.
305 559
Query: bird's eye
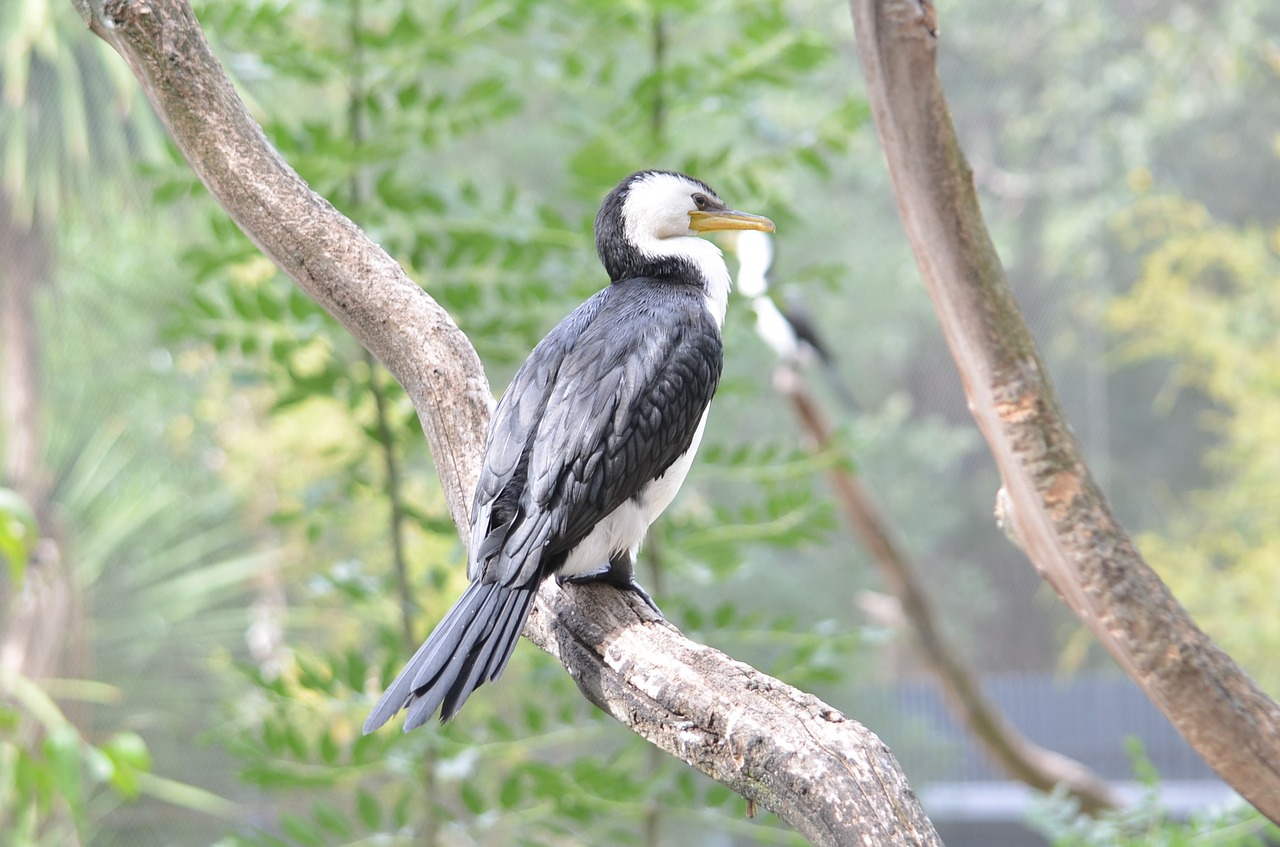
700 200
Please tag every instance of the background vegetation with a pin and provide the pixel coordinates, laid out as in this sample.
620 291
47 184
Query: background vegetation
241 503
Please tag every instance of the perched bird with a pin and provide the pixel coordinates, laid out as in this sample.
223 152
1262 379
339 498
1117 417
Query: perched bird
593 437
789 331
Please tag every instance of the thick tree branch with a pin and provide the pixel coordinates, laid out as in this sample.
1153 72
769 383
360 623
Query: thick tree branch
324 252
826 775
1050 503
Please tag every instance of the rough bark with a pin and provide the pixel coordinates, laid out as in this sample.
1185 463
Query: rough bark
1023 759
1049 502
826 775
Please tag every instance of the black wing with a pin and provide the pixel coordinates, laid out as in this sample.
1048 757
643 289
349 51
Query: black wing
511 431
599 417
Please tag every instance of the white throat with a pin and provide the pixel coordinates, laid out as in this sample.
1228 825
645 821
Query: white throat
702 254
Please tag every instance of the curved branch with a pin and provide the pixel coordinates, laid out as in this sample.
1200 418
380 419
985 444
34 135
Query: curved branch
1049 501
828 776
325 253
1023 759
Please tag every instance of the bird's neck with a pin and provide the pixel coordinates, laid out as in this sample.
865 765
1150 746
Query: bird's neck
686 256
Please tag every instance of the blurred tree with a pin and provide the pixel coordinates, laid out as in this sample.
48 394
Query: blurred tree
65 119
69 135
1208 300
1070 114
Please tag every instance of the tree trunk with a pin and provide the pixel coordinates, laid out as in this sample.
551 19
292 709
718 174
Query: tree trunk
1023 759
25 263
40 613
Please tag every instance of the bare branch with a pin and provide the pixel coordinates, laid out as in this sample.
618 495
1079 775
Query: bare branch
1051 505
1021 757
328 255
826 775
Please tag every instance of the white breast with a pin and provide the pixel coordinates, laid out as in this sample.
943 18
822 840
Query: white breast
624 528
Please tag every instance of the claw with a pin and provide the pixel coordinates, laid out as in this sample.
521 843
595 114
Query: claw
621 578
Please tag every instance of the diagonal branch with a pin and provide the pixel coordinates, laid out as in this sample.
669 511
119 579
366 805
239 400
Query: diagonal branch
1049 501
826 775
1022 758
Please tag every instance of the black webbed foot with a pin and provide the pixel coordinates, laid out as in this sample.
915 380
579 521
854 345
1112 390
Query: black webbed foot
621 575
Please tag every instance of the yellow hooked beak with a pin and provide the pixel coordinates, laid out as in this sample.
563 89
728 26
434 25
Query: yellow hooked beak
724 220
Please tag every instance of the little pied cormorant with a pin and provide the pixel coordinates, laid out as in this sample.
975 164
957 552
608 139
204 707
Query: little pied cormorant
593 437
790 331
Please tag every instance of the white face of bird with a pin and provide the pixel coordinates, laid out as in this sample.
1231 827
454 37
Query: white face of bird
662 215
664 205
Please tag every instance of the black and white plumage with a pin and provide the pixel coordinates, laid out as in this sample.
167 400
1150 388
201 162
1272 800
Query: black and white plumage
593 437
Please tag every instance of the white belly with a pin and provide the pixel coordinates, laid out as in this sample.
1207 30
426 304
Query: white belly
624 528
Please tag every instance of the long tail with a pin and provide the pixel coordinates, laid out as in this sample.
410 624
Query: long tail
471 646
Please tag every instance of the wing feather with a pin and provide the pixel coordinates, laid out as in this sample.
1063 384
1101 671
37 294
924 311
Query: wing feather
496 509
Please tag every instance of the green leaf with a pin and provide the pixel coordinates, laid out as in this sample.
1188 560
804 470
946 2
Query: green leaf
328 817
367 809
400 814
269 304
535 718
18 533
329 749
511 792
129 757
296 741
302 830
471 797
243 301
62 750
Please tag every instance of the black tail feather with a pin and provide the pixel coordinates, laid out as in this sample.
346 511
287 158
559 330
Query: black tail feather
508 635
471 645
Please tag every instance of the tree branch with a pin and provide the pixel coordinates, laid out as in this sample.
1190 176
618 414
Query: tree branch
1023 759
826 775
1050 503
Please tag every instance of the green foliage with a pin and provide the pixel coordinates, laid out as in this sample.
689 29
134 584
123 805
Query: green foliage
474 140
1208 301
66 109
50 775
1146 822
18 534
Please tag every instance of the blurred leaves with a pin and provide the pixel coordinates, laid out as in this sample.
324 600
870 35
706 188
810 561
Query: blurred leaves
18 534
1208 302
1146 823
52 778
68 108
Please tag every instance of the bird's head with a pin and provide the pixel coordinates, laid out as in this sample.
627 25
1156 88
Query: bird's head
648 225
